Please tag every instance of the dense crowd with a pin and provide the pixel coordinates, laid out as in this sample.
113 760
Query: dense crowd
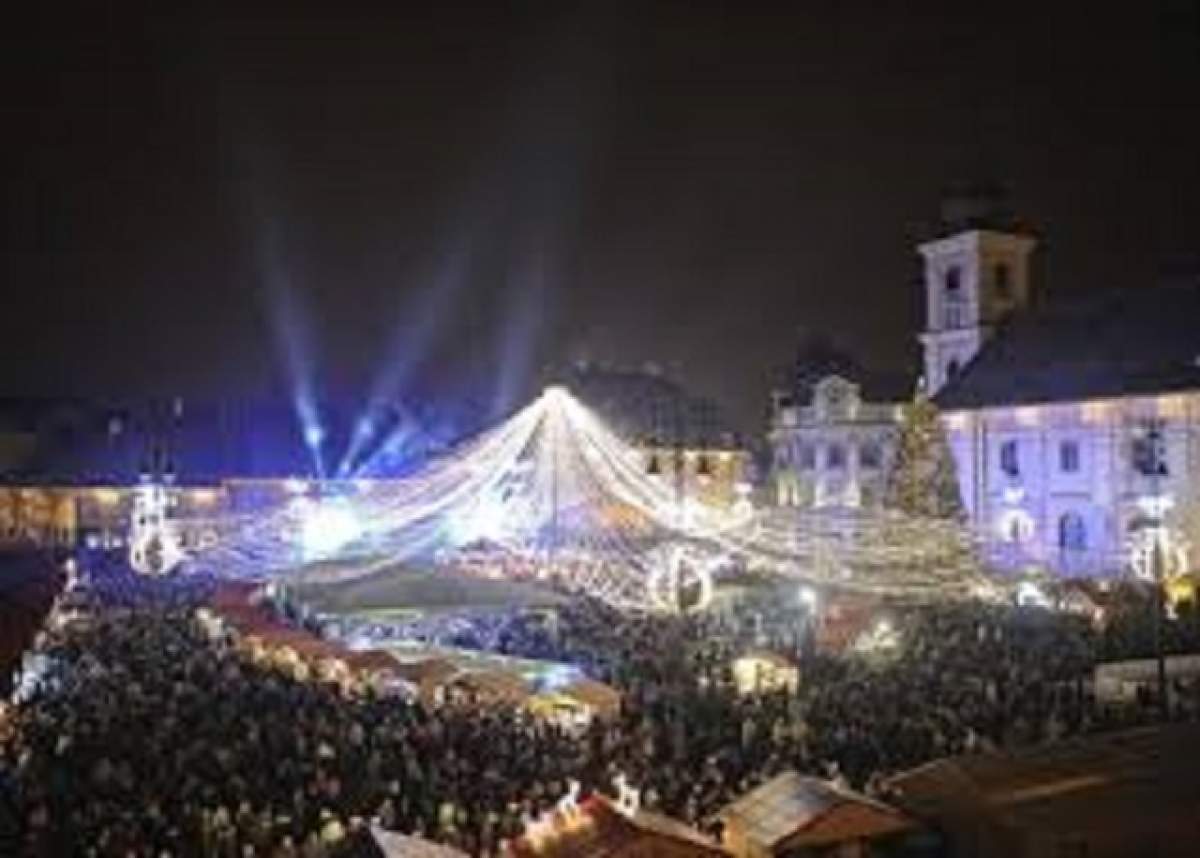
29 583
150 738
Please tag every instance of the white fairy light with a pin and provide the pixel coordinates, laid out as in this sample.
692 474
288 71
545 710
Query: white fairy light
553 491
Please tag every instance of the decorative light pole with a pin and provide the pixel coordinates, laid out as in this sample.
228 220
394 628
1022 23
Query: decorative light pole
677 559
154 544
1151 539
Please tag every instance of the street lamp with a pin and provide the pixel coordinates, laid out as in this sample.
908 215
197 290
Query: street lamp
1152 539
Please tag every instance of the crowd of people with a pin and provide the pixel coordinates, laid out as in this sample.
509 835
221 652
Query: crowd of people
149 737
29 583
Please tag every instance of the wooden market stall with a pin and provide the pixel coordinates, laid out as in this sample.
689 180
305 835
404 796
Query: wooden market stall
796 815
762 670
600 830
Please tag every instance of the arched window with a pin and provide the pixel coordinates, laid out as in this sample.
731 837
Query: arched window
1068 457
835 457
953 279
1010 462
1072 532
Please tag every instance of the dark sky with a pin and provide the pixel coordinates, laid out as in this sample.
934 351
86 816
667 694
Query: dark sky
448 199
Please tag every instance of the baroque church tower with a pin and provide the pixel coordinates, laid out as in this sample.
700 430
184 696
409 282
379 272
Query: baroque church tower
976 274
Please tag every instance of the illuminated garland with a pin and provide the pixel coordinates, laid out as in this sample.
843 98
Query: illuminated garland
553 492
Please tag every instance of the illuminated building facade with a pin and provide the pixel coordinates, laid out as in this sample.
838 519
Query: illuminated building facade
1049 406
1063 417
683 439
72 472
833 433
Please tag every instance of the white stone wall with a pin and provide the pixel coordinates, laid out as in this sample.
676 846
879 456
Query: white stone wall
1103 491
802 438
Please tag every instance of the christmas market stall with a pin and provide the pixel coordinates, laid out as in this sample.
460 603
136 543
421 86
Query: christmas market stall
762 670
796 815
600 828
486 688
576 704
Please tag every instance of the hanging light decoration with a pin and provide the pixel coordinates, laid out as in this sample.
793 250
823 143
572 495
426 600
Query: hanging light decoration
568 498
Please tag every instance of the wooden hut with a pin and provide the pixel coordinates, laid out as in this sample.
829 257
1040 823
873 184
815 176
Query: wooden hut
795 815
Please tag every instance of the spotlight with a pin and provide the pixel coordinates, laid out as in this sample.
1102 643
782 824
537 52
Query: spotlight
326 527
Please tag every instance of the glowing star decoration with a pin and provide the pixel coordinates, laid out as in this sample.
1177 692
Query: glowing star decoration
326 527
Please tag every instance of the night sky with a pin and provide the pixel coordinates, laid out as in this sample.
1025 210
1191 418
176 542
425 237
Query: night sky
453 200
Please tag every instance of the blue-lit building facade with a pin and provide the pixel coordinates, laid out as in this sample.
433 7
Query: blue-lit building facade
1065 417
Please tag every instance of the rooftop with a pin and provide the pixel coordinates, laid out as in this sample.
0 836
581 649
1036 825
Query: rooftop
604 832
791 810
1104 788
1120 343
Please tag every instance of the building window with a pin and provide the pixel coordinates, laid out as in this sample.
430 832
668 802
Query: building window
953 280
806 457
1148 453
1002 278
952 369
1010 463
1016 530
1072 532
1068 457
870 456
835 457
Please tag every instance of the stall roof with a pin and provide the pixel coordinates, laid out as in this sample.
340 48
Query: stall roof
608 833
593 693
394 845
1116 787
791 810
372 659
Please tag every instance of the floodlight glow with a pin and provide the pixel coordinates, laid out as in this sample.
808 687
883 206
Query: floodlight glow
808 597
327 527
295 486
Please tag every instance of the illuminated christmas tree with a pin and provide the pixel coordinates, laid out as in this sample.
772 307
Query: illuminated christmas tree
923 481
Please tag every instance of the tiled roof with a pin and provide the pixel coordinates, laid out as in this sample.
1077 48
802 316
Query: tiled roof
1121 343
818 358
